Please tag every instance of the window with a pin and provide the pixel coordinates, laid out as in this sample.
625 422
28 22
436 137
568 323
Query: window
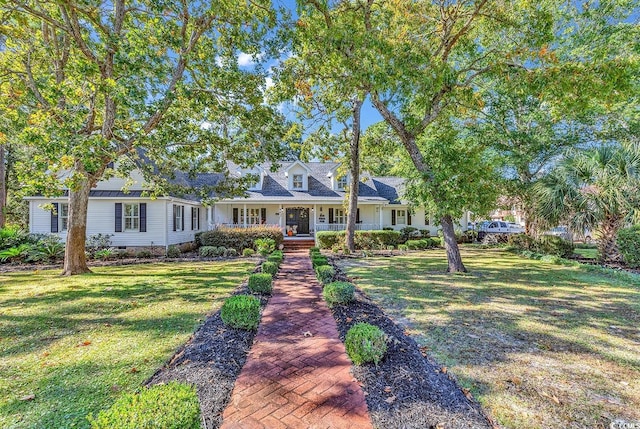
178 218
427 219
63 216
341 216
342 182
131 217
297 181
401 217
195 218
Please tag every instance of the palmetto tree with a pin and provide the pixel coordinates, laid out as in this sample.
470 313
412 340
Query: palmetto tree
596 189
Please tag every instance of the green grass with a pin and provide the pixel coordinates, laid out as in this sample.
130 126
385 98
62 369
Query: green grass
539 345
78 343
589 253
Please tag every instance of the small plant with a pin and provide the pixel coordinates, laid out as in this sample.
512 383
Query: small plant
219 251
325 273
270 268
142 254
365 343
231 252
391 248
275 258
260 283
207 251
97 242
248 252
241 312
264 246
173 251
628 241
105 254
338 293
403 247
13 253
313 250
173 406
317 261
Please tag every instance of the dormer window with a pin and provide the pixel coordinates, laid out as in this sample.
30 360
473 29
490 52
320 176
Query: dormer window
297 181
342 182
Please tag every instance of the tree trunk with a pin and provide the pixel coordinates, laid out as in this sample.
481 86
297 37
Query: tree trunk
451 246
3 187
354 169
607 246
75 261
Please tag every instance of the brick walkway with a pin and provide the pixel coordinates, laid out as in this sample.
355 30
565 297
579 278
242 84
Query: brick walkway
297 373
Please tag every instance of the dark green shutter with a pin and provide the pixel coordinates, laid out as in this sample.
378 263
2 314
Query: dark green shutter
182 217
118 217
330 215
54 217
143 217
263 215
358 216
408 217
175 220
393 217
235 215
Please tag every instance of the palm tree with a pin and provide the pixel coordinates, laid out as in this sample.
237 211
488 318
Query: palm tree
596 189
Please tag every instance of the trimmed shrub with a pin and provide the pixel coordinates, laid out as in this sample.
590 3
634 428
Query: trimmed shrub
173 406
264 246
407 232
318 261
365 343
522 241
325 273
418 244
425 233
338 293
208 251
260 283
364 240
275 258
436 241
173 251
628 241
241 311
403 247
220 251
270 268
231 252
144 254
554 245
313 250
247 252
240 238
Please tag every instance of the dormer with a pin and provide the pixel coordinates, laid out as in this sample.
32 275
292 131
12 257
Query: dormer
339 181
297 176
255 171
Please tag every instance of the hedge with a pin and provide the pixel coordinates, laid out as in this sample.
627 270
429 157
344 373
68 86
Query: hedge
338 293
325 273
241 312
628 241
260 283
364 240
240 238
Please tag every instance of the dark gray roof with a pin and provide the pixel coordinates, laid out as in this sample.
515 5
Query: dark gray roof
390 188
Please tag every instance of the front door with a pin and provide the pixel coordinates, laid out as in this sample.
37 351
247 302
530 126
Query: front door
298 217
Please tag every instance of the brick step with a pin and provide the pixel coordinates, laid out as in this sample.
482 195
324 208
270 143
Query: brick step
295 245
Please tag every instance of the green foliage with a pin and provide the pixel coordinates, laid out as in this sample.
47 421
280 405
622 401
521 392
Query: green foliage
172 406
261 283
97 242
325 273
313 249
547 244
270 268
241 311
13 237
364 240
208 251
13 253
173 251
522 241
276 258
247 252
338 293
240 238
105 254
628 242
230 252
264 246
317 261
408 232
143 254
365 343
47 249
403 247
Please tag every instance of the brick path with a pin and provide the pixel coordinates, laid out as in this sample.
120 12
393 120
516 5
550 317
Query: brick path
297 373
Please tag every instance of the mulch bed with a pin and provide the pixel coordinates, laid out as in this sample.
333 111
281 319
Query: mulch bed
211 361
407 389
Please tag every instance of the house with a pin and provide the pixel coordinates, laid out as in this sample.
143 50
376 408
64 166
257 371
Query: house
302 198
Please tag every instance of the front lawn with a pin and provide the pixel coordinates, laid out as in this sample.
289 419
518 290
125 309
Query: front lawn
70 346
540 345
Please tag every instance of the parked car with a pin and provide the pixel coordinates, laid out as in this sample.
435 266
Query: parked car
498 227
560 231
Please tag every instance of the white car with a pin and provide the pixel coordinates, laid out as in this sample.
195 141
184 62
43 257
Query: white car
501 226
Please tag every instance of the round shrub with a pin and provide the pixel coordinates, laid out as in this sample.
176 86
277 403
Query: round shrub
403 247
260 283
173 251
628 241
338 293
313 250
554 245
219 251
241 311
270 268
318 261
231 252
173 406
208 251
325 273
365 343
248 252
275 257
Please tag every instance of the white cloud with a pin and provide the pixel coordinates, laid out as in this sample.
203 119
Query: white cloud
245 60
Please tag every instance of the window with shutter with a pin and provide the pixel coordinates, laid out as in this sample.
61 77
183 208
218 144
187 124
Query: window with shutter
178 218
263 215
235 215
331 220
118 217
143 217
54 218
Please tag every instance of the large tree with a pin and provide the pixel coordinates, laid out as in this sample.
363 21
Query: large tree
139 83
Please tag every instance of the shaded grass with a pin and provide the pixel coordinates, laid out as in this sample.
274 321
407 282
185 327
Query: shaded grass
539 345
588 253
77 343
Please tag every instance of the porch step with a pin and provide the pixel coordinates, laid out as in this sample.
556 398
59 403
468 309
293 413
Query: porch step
298 244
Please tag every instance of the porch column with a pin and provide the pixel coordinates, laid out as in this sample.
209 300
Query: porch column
209 217
280 217
244 209
380 217
315 209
